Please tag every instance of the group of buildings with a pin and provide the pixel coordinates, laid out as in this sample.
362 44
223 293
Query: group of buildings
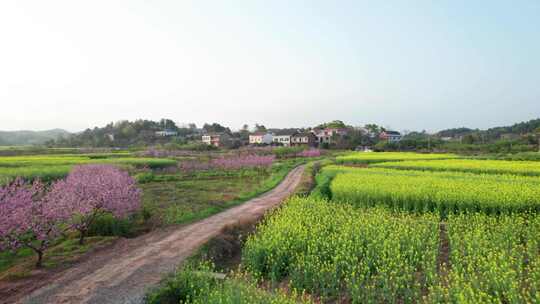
312 138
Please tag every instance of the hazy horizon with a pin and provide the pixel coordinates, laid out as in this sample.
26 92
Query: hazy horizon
76 65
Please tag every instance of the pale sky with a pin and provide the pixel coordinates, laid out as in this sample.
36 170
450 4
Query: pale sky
405 64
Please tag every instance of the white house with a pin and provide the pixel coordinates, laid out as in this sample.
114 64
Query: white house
306 138
216 139
260 138
325 135
166 133
282 139
390 136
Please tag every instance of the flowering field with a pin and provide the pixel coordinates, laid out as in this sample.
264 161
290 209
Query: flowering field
440 192
405 236
337 251
373 255
377 157
530 168
493 260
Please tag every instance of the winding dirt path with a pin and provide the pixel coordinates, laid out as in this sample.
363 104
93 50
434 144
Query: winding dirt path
123 272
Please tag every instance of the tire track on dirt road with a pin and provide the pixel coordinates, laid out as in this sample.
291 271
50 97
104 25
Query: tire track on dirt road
122 273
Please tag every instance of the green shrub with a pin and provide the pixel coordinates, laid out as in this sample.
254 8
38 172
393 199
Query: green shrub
284 152
145 177
182 286
107 225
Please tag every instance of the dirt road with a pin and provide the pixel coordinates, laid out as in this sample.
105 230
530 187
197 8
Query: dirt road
123 272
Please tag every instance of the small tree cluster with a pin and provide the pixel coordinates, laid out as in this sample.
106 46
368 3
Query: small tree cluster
33 217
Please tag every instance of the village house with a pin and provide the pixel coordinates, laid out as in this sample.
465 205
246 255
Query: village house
166 133
390 136
324 136
305 138
216 139
259 138
283 138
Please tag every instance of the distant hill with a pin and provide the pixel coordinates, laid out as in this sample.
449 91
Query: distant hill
23 138
521 128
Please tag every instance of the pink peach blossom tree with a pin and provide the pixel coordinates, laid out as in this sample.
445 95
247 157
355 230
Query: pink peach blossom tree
90 191
27 218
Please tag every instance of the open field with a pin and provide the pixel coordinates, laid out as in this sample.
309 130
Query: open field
379 235
169 197
364 234
178 198
530 168
377 157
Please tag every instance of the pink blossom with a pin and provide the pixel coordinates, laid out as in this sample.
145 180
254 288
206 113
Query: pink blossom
242 162
28 219
310 153
229 163
153 152
92 190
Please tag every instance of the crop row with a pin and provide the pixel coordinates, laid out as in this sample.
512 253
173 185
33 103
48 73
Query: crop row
440 192
377 157
493 260
336 251
527 168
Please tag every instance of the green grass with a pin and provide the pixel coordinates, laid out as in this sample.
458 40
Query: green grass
14 265
196 284
178 199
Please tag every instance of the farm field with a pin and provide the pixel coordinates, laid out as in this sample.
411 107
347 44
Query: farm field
179 198
382 235
50 167
440 192
529 168
335 251
493 259
367 255
377 157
